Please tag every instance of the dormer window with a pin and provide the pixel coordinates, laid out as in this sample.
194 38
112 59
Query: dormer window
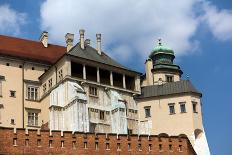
169 78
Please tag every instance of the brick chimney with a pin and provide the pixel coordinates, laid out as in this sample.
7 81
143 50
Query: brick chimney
82 37
98 36
44 38
69 41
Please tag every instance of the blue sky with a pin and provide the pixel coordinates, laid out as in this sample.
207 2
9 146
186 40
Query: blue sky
199 31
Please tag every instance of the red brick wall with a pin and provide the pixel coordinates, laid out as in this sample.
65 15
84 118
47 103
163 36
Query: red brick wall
36 143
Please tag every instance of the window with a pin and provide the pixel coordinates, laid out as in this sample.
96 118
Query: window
194 107
44 87
93 91
147 111
107 146
182 107
32 68
32 93
60 74
7 64
50 83
12 121
130 131
102 115
12 93
169 78
32 119
118 147
1 107
171 108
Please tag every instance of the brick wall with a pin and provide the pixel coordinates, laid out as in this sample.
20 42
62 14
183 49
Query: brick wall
35 142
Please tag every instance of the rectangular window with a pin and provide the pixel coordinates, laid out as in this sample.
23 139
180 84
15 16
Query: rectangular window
12 93
169 78
147 111
102 115
194 107
130 131
12 121
60 74
32 119
44 87
182 107
50 83
93 91
32 93
171 108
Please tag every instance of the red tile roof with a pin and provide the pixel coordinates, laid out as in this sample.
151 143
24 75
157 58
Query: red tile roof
28 49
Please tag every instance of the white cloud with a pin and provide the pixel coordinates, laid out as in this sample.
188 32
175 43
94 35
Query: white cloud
133 27
219 21
129 25
11 20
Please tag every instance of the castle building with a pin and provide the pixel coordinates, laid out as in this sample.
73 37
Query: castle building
80 88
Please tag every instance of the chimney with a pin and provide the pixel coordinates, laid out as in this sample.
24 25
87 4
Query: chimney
44 38
69 40
82 35
87 41
149 76
98 43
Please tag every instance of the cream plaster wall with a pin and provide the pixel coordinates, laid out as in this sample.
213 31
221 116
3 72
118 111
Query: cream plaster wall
172 124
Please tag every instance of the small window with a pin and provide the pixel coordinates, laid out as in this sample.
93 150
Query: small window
171 108
32 68
102 115
107 146
129 146
182 107
118 147
50 83
147 111
169 78
12 121
130 131
93 91
150 147
160 147
12 93
44 87
32 119
74 143
62 144
38 142
60 74
194 107
96 145
140 147
85 145
20 66
32 93
180 148
7 64
50 143
170 147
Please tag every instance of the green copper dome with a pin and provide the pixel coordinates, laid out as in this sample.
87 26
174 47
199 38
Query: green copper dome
161 49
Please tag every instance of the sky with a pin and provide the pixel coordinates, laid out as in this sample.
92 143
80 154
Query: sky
199 31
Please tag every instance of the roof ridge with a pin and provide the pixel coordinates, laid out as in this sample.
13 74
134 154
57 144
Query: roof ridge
27 40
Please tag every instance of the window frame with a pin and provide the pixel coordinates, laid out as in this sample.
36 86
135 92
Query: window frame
35 92
171 111
93 91
147 109
171 78
194 107
102 115
12 93
35 118
183 104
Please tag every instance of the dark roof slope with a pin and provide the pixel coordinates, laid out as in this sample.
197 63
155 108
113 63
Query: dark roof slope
183 86
28 49
90 53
